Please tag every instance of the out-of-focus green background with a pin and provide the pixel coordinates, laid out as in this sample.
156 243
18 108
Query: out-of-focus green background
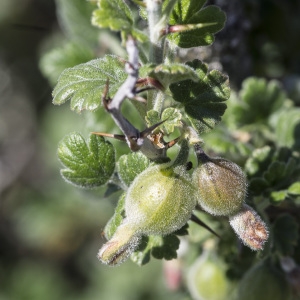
50 231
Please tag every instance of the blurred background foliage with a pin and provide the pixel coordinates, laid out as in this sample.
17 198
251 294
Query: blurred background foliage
50 232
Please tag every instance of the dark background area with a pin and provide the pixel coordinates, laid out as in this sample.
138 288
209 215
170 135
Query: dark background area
50 231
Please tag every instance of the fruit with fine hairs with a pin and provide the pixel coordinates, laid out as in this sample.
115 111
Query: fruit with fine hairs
221 184
207 278
159 201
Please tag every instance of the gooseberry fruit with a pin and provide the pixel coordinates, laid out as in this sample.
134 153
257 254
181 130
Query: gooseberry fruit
159 201
264 281
221 184
207 278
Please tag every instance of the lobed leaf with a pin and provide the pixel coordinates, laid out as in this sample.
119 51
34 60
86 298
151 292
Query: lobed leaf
286 126
278 196
152 118
84 84
167 74
294 189
258 99
173 118
203 100
130 165
259 161
208 20
89 164
113 14
160 247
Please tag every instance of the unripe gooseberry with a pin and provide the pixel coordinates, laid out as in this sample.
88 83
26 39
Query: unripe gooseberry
221 185
264 281
207 278
159 201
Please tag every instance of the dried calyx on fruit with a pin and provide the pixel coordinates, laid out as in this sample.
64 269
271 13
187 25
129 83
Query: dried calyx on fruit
159 201
250 228
221 184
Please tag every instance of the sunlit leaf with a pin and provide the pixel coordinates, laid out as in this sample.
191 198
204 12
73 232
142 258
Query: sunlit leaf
113 14
88 164
203 100
84 84
210 19
130 165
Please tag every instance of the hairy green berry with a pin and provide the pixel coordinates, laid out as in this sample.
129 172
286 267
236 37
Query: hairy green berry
160 200
207 278
221 185
264 281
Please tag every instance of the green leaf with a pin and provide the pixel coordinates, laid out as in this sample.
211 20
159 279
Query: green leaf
258 185
166 247
228 143
113 14
259 160
160 247
89 164
286 126
258 99
130 165
285 234
116 220
143 254
294 189
173 118
278 196
54 62
209 19
203 100
167 74
275 172
152 117
75 18
83 85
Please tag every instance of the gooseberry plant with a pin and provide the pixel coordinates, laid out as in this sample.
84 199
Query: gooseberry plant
180 104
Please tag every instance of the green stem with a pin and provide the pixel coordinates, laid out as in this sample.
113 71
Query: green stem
183 154
154 10
159 102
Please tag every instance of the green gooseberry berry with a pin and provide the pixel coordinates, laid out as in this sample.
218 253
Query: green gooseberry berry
159 201
264 281
207 278
221 184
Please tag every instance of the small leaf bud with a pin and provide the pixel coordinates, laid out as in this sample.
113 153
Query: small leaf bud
221 184
250 228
